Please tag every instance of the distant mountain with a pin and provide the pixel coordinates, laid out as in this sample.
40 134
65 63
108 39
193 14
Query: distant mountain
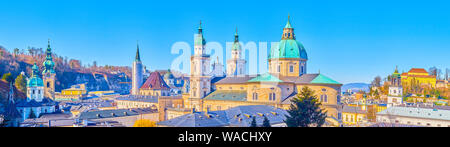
355 87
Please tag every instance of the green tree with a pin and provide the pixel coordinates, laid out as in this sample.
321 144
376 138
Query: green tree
21 83
305 110
7 77
266 122
253 123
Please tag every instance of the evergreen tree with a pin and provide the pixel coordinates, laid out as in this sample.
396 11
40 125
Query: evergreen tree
266 122
253 123
21 83
305 110
32 115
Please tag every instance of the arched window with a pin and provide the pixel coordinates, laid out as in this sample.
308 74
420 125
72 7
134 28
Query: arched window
279 68
291 68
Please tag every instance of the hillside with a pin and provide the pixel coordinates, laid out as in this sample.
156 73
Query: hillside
68 71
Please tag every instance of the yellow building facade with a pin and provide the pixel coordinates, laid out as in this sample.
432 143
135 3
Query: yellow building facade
418 76
285 78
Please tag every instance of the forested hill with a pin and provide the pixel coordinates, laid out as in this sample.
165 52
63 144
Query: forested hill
68 71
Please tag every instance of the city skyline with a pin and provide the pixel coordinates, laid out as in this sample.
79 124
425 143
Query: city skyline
349 47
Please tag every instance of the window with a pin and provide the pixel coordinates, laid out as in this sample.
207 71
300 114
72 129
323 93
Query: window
323 98
279 69
272 97
291 68
255 96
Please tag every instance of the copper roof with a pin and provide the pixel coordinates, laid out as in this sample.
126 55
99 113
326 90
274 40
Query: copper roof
155 82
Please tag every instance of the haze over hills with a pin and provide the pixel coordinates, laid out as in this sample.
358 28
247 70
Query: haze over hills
355 87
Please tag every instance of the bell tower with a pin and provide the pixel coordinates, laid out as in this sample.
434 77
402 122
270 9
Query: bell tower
236 65
49 74
200 80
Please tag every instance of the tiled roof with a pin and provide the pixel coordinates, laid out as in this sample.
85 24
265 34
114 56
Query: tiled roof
417 70
155 82
240 116
228 95
417 112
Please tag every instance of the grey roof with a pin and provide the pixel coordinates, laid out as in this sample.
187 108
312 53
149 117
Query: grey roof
139 99
113 113
417 112
304 79
240 116
235 79
391 125
34 103
198 119
353 109
228 95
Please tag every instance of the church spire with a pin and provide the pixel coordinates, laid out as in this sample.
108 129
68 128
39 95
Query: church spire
236 36
288 24
200 28
48 63
138 57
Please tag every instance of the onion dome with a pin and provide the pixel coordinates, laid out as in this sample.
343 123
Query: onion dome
288 47
35 80
48 64
199 39
236 44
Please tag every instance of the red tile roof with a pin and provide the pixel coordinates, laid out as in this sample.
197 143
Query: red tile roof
417 70
155 82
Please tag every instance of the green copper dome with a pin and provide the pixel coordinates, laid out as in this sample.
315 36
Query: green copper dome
35 81
288 49
199 40
236 44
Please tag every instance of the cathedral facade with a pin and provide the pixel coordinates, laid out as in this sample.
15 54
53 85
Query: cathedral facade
287 75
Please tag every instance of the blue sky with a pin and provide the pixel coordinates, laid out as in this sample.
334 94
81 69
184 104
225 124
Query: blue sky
349 41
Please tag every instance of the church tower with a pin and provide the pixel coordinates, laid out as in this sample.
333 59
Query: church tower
200 80
137 74
236 65
49 74
35 86
289 57
395 96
